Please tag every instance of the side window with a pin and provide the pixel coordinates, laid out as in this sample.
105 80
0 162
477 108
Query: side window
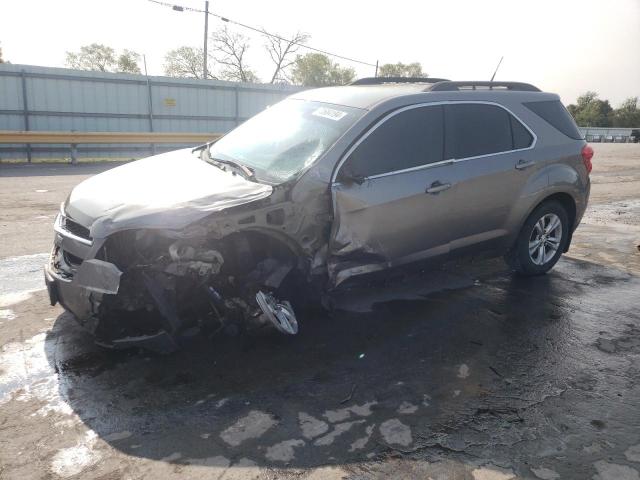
521 136
474 129
408 139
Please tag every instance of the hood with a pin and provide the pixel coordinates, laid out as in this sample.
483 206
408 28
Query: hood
170 190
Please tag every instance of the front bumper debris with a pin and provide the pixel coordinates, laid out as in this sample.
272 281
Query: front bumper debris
152 289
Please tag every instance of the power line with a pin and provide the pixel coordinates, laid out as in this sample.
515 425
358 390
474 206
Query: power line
180 8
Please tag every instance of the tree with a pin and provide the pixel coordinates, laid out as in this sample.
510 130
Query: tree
1 59
230 49
101 58
185 62
628 115
93 57
590 111
281 52
128 62
401 70
318 70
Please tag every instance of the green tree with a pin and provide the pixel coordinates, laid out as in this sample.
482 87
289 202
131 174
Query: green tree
590 111
128 62
401 70
185 62
318 70
93 57
628 115
102 58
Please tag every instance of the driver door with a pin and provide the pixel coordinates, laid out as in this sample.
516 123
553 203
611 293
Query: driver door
391 195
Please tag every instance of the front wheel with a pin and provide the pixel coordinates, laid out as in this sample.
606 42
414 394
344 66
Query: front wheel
542 239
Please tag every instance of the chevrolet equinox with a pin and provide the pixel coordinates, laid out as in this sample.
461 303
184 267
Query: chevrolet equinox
324 186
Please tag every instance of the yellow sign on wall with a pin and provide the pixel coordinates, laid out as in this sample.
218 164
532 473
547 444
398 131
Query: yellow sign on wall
169 102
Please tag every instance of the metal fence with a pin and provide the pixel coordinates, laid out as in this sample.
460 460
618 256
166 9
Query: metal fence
36 98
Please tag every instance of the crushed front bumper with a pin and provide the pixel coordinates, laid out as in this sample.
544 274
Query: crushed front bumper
82 301
63 290
79 283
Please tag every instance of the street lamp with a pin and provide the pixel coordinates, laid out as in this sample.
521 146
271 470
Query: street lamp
179 8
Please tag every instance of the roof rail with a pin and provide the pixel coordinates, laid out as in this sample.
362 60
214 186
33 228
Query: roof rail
383 80
447 86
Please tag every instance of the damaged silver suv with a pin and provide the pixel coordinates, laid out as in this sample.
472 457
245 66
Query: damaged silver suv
326 185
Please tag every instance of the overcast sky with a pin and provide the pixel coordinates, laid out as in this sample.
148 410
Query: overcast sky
563 46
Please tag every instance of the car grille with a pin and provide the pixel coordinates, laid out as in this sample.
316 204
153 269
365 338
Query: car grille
76 229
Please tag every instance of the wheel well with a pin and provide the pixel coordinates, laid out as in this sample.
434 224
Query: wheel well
569 204
245 249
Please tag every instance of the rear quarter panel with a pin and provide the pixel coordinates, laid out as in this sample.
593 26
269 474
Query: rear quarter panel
559 169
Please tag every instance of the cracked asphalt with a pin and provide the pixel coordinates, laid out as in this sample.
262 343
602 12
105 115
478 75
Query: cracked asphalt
467 372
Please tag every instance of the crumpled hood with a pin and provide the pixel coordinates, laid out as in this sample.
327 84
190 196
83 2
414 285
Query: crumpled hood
170 190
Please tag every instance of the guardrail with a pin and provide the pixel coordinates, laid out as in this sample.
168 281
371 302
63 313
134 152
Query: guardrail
609 134
73 139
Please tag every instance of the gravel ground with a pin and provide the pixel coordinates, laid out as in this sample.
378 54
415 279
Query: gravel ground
467 373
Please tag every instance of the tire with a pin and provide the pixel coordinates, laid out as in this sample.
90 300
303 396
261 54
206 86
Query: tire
537 249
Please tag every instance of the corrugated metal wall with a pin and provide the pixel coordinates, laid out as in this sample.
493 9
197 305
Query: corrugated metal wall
59 99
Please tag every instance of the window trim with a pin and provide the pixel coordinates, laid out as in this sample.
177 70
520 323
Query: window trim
449 161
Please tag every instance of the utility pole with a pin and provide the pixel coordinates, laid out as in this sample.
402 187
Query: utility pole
206 34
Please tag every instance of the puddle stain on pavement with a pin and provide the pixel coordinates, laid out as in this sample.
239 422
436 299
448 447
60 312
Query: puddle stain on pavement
261 405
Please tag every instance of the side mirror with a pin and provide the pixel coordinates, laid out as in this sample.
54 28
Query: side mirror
347 176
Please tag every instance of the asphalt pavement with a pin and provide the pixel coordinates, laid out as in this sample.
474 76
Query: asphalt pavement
466 372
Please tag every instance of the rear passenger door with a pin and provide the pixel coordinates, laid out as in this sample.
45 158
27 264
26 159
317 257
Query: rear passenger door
392 193
493 160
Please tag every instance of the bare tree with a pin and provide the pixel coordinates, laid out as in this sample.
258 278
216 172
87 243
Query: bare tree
185 62
1 59
230 49
282 53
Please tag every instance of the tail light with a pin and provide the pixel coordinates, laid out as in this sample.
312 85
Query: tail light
587 155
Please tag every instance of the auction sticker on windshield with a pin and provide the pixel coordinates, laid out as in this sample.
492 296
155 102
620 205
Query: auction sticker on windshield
330 113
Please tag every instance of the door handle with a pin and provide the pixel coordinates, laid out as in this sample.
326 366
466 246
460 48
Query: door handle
522 164
437 187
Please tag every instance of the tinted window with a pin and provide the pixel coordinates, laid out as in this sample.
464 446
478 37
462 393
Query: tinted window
408 139
521 136
553 112
476 129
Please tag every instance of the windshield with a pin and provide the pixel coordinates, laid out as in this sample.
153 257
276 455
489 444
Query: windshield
285 138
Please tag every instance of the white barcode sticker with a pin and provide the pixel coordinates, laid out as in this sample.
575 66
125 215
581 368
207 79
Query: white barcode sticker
330 113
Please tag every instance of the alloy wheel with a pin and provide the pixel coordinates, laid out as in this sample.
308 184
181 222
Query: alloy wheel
545 238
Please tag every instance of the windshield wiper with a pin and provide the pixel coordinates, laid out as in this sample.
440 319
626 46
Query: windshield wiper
247 172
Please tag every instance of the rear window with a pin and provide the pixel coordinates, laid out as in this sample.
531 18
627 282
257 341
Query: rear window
554 113
472 130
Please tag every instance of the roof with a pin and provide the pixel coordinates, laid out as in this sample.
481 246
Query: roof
366 94
359 96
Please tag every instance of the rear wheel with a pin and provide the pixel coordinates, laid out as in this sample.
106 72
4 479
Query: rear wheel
542 239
